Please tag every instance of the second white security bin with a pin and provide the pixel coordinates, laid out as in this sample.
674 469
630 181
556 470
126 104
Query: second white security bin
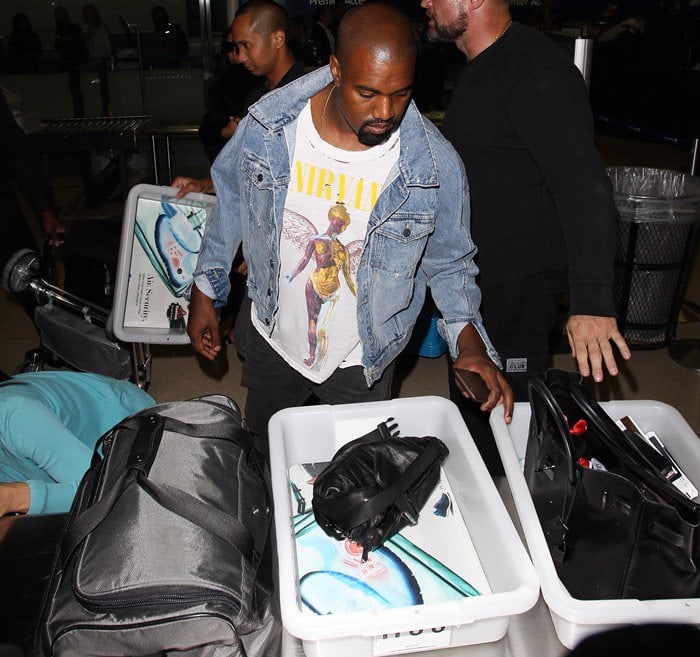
574 619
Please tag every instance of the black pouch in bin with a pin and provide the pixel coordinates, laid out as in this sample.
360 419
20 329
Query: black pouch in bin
376 485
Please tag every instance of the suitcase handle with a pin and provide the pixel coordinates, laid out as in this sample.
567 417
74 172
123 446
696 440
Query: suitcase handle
146 442
209 518
141 457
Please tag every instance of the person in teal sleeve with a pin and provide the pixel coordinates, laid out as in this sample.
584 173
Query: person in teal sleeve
49 424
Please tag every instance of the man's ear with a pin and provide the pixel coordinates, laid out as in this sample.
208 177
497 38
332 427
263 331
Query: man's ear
278 39
475 4
335 68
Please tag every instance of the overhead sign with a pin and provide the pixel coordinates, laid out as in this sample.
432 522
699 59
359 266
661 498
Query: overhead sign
306 8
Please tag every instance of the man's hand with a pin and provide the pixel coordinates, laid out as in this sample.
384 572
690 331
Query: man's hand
473 357
53 227
15 497
203 324
230 128
187 185
589 339
242 269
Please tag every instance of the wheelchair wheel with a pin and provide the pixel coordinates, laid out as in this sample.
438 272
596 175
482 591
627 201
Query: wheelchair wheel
20 270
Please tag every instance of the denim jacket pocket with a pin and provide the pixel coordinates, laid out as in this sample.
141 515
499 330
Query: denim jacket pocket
257 171
400 242
258 190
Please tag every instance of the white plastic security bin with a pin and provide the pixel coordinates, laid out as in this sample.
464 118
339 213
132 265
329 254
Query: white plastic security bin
314 434
574 619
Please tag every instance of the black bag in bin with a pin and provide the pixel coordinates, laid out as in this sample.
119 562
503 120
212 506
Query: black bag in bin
376 485
624 532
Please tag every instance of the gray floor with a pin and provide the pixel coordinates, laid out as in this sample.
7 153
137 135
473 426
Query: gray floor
178 374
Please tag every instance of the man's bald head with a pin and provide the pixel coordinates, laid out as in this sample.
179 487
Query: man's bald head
266 16
380 30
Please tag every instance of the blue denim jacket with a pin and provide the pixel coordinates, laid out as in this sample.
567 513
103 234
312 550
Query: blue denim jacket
417 236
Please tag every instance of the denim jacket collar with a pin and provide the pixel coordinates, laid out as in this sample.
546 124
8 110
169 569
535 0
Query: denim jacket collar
280 108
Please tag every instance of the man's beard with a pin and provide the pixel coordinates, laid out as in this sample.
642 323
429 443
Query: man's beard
372 138
450 32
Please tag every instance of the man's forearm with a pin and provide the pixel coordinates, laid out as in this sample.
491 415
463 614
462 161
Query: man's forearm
474 357
469 342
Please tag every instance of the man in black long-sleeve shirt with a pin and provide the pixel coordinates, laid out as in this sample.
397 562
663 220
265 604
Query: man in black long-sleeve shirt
542 204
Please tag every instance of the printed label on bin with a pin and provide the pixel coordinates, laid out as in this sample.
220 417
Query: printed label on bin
400 642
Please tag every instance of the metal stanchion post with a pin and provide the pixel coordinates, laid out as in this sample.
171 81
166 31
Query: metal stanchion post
154 147
169 158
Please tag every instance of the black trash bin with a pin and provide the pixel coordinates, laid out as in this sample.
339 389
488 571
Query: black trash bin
658 213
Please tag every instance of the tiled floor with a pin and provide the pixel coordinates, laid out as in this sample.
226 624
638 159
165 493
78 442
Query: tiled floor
178 374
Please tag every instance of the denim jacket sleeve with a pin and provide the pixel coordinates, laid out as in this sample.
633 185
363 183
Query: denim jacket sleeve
448 263
224 230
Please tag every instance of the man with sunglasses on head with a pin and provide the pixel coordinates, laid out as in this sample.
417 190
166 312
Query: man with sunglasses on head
542 203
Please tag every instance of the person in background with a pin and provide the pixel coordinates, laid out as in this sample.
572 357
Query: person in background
24 44
546 17
70 47
99 47
170 46
543 216
49 424
70 44
97 38
259 32
321 40
338 174
20 166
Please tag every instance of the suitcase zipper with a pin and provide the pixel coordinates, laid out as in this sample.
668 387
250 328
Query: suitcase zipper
121 626
110 603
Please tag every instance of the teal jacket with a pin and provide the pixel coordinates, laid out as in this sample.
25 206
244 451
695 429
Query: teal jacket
49 424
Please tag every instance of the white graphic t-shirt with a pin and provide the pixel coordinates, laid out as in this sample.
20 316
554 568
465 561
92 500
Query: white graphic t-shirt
331 195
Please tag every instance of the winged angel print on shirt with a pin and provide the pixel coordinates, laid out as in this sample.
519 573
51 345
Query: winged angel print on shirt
330 257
